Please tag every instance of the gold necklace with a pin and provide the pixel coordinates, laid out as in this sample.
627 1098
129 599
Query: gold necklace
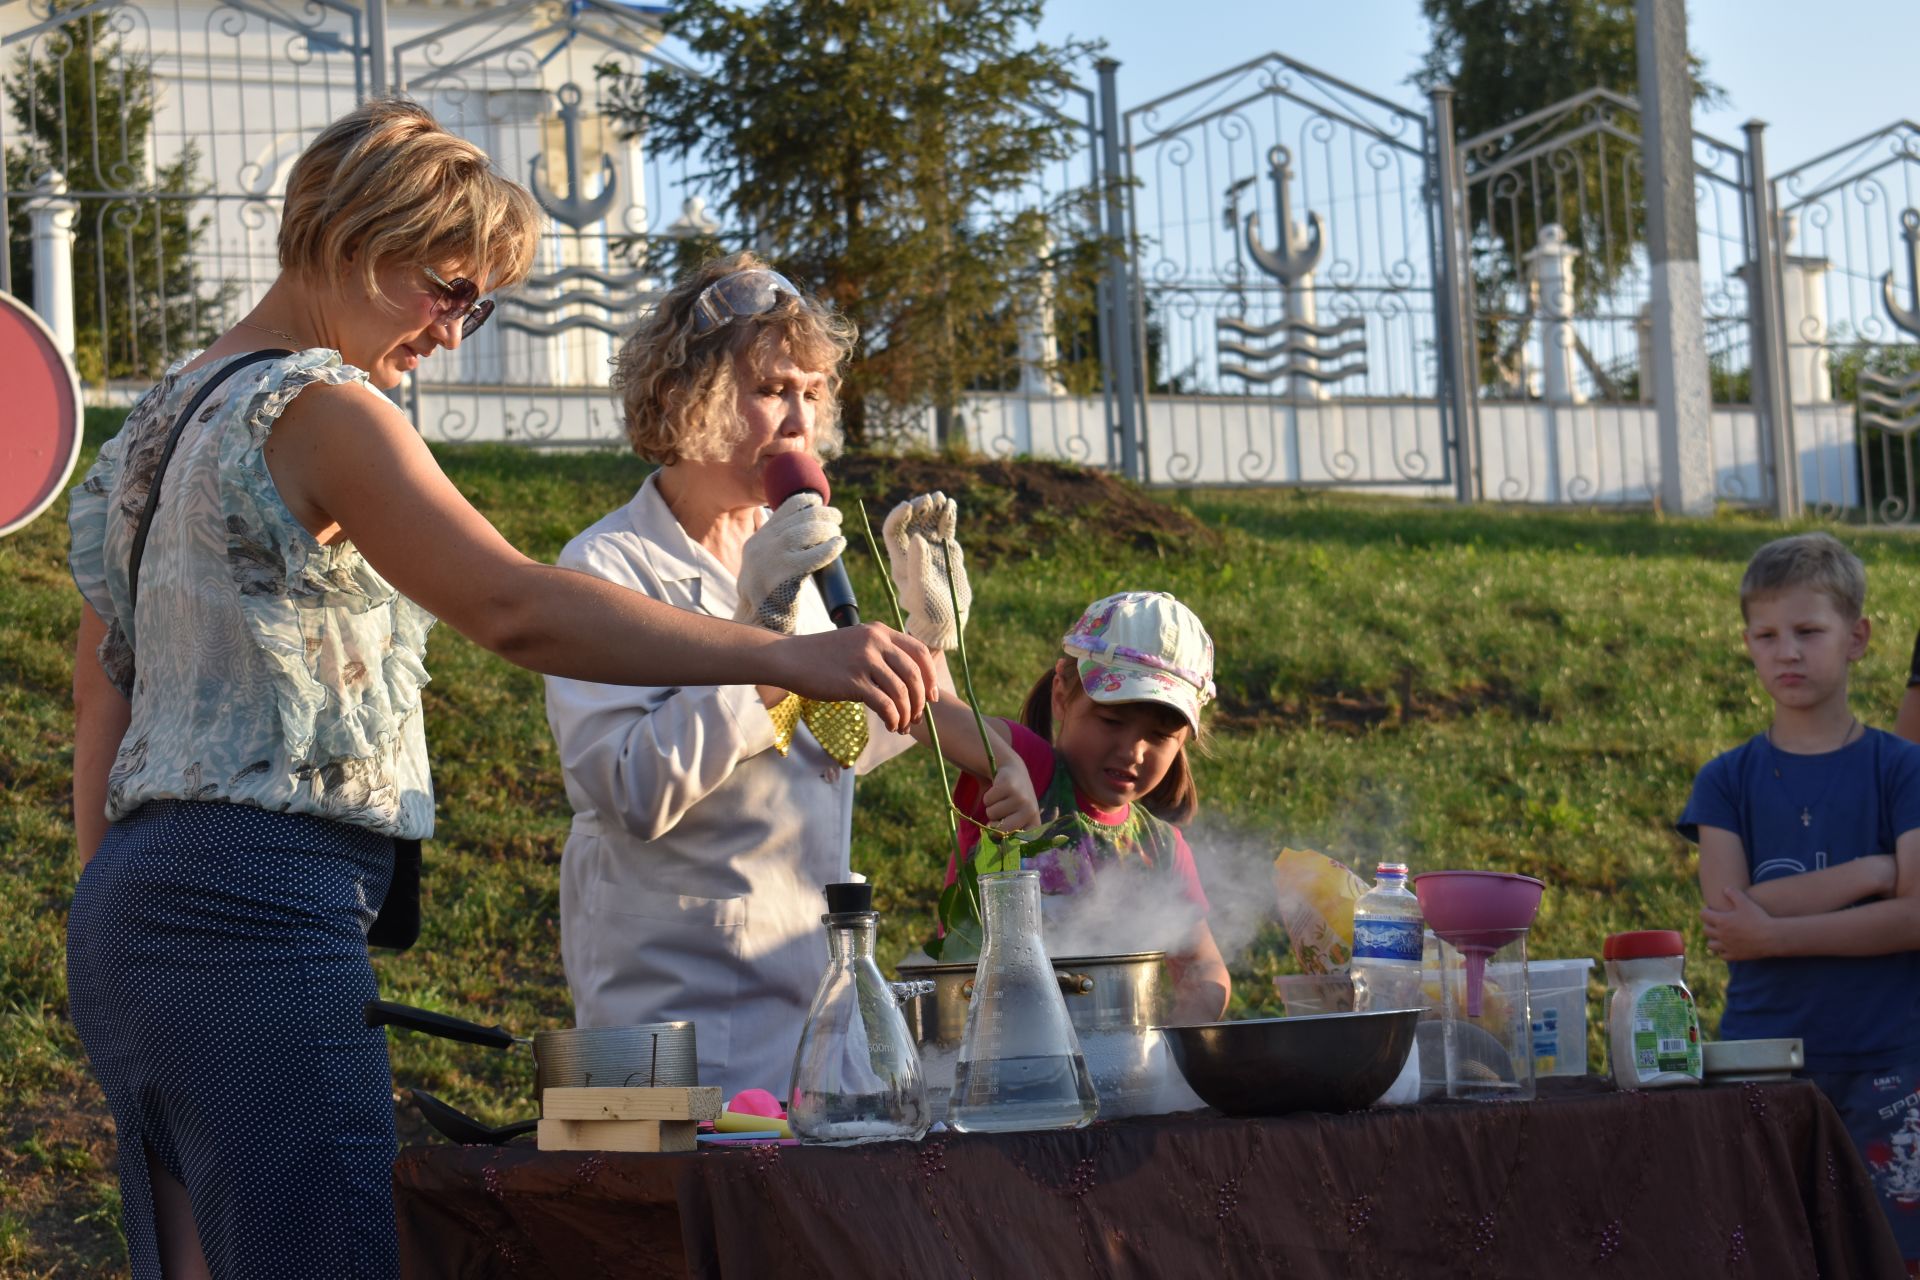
278 333
1806 810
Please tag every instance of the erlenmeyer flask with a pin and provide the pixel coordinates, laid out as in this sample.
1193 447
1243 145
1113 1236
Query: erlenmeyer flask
856 1074
1020 1062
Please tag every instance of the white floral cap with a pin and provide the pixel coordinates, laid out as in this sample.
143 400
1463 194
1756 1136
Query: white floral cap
1144 646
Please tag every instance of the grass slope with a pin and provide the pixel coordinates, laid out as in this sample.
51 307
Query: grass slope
1516 689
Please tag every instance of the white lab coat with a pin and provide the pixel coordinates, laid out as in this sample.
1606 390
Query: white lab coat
690 884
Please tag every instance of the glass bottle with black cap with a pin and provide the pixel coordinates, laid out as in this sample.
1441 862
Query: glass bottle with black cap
856 1074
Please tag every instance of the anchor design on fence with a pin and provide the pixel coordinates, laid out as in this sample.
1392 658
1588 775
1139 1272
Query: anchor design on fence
576 211
1304 343
1906 318
1291 262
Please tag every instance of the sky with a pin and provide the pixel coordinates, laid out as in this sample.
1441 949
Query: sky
1819 75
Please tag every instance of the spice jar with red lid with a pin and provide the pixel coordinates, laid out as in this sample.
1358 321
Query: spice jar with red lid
1653 1025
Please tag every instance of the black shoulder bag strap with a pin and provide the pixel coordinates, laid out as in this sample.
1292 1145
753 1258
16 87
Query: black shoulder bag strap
166 455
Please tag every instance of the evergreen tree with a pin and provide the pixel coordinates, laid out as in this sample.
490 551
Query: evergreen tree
87 107
873 150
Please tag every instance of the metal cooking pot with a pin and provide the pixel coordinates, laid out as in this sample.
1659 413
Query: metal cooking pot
1115 1002
660 1053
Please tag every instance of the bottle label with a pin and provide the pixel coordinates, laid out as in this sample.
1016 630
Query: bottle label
1387 940
1666 1032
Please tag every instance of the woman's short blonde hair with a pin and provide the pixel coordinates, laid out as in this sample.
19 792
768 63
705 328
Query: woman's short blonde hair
677 388
387 182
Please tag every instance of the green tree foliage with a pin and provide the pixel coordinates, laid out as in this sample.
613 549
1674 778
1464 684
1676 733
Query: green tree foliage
1507 59
884 153
86 104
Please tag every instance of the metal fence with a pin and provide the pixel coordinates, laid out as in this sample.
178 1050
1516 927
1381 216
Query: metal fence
153 136
1304 282
1283 282
1849 231
1558 293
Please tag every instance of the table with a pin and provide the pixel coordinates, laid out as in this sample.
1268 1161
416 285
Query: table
1735 1180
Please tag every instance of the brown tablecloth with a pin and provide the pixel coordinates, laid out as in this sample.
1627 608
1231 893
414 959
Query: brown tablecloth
1739 1180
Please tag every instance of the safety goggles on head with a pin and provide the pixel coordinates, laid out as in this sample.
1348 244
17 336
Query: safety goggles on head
752 292
459 300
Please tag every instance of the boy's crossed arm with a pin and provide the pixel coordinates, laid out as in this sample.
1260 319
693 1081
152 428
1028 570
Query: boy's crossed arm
1813 913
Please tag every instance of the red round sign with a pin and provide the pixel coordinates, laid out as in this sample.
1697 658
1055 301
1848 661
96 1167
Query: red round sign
40 421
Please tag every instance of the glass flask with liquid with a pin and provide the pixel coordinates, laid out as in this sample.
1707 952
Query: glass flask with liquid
856 1074
1020 1062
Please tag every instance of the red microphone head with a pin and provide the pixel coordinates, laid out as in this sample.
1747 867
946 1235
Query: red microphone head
790 473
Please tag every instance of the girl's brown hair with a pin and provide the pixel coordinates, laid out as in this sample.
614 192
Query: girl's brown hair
1176 799
677 388
386 182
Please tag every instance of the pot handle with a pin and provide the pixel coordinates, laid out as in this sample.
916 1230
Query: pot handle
1071 984
385 1013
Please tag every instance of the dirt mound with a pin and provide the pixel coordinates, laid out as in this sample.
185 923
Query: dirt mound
1017 509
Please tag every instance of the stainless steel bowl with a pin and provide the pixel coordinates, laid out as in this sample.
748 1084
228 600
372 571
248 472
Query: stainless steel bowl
1271 1066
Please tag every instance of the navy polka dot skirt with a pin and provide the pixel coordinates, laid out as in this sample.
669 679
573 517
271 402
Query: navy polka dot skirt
216 969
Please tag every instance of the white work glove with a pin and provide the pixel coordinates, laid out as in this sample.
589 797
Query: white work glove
914 532
803 536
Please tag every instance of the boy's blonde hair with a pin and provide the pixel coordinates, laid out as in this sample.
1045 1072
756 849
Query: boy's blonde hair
677 387
1816 560
386 182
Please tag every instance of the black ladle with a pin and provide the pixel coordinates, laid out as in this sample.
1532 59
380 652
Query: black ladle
457 1126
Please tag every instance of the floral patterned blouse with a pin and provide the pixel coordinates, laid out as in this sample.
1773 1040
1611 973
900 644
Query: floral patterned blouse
263 668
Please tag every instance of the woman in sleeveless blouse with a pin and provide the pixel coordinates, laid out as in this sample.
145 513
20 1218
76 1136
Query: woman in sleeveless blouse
248 740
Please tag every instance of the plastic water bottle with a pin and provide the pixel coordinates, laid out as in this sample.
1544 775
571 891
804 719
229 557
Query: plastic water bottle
1387 936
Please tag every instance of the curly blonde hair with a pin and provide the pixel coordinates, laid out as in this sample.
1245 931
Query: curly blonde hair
677 388
386 182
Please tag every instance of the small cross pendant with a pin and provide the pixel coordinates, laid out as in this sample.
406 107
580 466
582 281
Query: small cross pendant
1806 817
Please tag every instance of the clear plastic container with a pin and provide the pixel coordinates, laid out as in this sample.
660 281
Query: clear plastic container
1557 997
1487 1056
1020 1061
856 1074
1653 1025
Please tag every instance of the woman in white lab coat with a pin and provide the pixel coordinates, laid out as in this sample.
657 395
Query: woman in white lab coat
706 819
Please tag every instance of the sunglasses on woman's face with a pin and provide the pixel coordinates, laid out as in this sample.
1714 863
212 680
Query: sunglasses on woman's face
459 297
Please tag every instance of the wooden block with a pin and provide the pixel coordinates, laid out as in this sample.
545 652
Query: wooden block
616 1135
631 1104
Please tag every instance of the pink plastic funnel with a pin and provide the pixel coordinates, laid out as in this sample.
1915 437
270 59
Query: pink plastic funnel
1478 912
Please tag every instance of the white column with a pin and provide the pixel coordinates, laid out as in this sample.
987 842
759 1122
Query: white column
1803 306
51 215
1550 263
1039 347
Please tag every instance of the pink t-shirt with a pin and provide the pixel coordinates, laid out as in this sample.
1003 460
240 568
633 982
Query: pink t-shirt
1038 755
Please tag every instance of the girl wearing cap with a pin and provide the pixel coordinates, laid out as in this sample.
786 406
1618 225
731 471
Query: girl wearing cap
706 817
1104 736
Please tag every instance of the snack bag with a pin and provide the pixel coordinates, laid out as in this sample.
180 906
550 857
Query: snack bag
1316 897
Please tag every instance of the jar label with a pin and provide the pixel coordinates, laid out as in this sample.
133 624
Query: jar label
1666 1032
1387 940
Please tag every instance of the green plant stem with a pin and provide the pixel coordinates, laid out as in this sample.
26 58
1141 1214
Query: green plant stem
933 730
966 679
966 668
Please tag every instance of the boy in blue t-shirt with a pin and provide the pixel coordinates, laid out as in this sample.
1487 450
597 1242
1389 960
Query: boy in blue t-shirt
1809 841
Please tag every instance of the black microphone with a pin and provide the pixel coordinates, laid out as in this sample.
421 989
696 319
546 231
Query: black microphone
791 473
